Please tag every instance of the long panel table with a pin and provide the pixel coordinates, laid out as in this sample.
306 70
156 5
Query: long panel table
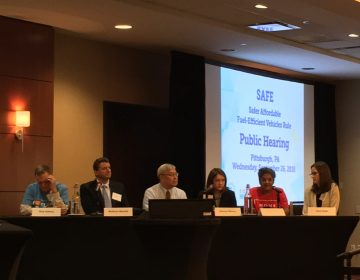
12 242
80 247
247 248
287 248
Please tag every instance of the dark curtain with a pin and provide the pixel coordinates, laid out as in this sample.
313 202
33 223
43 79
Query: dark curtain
136 140
325 127
187 114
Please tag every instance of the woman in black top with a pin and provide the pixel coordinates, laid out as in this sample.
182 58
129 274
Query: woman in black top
216 189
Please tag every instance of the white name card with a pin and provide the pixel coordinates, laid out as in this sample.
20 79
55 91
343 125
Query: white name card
272 212
118 212
46 212
227 211
321 211
116 196
208 214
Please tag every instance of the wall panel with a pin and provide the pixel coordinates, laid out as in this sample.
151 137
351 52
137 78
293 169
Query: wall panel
26 50
9 203
24 94
26 83
18 167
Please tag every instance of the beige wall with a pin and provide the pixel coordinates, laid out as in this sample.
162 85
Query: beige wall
86 74
348 137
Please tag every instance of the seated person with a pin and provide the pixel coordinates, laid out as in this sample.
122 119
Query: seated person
267 195
324 192
45 192
102 192
167 186
216 189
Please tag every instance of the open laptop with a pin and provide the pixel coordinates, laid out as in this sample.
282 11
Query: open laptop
180 208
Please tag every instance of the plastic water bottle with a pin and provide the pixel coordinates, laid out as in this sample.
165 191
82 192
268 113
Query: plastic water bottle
241 194
75 201
248 202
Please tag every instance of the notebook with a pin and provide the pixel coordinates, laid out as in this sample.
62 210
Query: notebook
180 208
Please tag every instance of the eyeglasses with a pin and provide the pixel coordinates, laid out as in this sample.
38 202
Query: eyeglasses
314 173
171 174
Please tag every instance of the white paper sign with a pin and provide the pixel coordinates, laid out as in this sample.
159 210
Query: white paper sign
207 214
46 212
118 212
227 211
321 211
272 212
116 196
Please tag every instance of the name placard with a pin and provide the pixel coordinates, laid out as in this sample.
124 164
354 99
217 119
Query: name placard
272 212
321 211
207 214
46 212
118 212
227 211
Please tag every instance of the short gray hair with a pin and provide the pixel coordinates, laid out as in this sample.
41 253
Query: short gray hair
41 169
165 167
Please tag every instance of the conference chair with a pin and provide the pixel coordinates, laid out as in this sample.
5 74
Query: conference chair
296 208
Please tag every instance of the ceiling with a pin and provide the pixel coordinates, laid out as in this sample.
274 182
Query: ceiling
205 27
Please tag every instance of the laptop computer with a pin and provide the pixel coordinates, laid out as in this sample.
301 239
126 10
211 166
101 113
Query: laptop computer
180 208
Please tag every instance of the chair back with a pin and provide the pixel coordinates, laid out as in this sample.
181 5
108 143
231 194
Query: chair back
296 208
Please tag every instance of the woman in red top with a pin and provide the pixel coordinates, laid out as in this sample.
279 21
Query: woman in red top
267 195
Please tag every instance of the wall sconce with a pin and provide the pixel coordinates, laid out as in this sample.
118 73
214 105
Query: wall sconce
22 119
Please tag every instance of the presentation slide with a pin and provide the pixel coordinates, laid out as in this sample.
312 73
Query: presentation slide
261 124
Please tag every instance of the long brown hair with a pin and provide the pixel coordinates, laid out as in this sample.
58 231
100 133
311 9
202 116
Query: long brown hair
325 177
212 174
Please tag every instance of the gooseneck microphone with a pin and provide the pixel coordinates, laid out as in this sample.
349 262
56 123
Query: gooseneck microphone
278 191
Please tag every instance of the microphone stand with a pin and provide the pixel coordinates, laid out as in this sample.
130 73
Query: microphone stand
277 196
348 256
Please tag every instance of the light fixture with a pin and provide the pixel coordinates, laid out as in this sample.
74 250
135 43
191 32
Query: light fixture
352 35
260 6
22 119
123 26
273 26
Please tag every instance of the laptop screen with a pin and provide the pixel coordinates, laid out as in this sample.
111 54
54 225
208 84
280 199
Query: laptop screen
180 208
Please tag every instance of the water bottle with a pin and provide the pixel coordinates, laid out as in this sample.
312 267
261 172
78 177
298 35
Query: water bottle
242 194
75 201
248 203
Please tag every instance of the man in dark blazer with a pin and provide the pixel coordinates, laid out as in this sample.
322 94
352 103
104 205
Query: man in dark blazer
102 192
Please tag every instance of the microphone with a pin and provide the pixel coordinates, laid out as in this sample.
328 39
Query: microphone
278 192
348 254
